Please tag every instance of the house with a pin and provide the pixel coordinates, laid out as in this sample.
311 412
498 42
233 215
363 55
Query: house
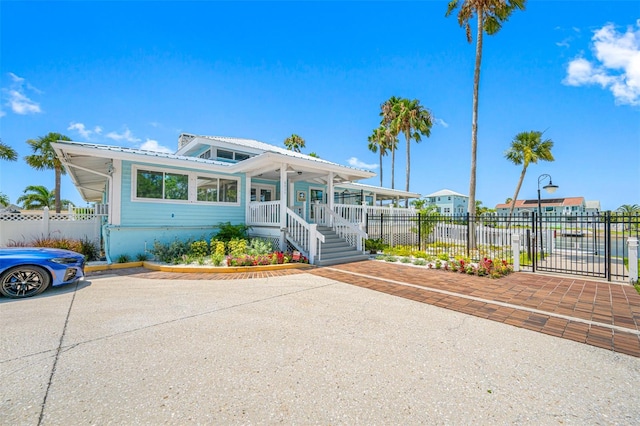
448 202
550 207
294 200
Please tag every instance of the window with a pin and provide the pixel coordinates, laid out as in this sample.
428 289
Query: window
165 185
161 185
210 189
447 210
205 155
223 154
227 155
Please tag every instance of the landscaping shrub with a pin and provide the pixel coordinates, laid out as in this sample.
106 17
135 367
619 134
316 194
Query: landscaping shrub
172 252
217 248
258 246
228 232
199 249
123 258
237 247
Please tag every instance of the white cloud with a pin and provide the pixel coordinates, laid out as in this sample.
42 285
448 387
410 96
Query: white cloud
17 98
126 135
616 66
152 145
440 122
2 113
354 162
83 131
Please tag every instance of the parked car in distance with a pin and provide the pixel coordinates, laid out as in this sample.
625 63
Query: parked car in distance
27 271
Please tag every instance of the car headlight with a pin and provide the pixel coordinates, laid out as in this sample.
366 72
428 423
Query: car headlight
66 260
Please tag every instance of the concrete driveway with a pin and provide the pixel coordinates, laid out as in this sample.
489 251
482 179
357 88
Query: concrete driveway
297 349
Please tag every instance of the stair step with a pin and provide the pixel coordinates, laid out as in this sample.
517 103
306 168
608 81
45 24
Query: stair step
346 259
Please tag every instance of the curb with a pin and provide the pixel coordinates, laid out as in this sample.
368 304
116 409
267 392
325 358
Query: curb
197 269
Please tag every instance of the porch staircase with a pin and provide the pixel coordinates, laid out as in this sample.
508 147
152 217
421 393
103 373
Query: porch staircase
336 250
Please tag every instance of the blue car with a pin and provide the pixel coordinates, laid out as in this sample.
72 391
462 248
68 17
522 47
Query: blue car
27 271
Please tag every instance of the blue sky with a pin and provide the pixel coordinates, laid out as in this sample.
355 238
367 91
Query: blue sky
137 74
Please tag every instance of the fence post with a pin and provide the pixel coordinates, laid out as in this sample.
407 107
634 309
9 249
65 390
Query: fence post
633 259
419 231
515 246
45 222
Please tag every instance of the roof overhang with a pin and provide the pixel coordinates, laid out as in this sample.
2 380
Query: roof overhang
381 193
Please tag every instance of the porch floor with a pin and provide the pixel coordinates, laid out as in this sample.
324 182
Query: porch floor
601 314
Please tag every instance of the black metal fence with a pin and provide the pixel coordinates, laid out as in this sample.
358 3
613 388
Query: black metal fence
589 244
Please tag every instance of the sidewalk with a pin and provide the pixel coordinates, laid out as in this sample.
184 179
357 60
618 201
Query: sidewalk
602 314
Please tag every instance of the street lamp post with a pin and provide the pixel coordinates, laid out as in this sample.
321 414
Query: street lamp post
550 188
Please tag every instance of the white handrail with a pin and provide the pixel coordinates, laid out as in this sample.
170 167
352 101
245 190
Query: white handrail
304 236
352 233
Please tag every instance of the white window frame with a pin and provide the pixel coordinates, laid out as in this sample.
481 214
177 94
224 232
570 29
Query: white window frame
233 155
259 186
192 197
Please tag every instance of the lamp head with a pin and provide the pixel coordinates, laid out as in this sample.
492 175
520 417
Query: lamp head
550 188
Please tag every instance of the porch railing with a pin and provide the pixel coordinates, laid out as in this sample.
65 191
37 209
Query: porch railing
265 213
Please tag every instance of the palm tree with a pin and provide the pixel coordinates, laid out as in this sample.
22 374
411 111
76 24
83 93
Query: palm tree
294 143
413 120
44 157
527 148
37 197
7 153
377 143
629 209
388 114
490 15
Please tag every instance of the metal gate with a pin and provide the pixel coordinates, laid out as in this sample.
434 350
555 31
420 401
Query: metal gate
593 245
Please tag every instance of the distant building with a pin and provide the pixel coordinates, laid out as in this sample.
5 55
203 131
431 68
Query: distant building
550 206
448 202
593 207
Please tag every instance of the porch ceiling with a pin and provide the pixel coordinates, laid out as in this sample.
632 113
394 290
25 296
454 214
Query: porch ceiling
88 173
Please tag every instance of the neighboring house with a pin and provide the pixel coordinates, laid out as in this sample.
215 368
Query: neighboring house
290 198
551 206
593 207
449 202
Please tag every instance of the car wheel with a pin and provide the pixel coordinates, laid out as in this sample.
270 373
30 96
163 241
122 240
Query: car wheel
24 281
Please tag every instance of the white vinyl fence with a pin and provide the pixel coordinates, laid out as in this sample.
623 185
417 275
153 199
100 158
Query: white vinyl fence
25 227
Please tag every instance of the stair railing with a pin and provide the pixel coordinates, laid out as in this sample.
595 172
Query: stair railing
304 236
346 230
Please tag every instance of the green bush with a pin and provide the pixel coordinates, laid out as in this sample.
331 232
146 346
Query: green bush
141 257
258 246
405 260
217 259
228 232
123 258
375 245
199 249
217 248
172 252
237 247
420 262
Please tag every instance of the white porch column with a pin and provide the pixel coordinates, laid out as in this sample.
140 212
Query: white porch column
330 196
247 199
330 191
633 259
283 206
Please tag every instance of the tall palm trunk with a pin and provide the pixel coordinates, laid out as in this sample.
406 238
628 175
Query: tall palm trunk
58 171
380 166
474 126
515 196
408 173
393 166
